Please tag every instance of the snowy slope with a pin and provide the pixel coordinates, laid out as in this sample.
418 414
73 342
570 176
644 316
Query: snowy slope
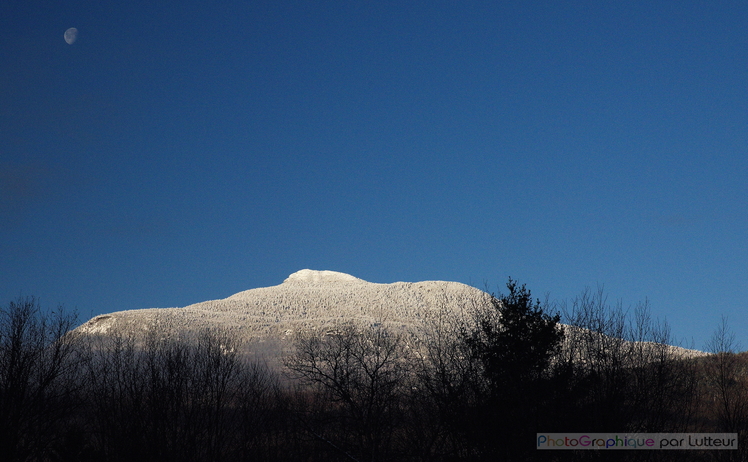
306 299
322 300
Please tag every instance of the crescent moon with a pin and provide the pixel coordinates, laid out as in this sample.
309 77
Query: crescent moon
70 35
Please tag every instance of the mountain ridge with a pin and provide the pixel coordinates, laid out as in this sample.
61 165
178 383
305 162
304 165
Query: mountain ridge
305 299
310 300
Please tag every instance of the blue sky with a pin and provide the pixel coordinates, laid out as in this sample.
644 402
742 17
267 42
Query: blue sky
185 151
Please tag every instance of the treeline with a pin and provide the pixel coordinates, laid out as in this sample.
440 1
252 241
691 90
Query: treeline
473 387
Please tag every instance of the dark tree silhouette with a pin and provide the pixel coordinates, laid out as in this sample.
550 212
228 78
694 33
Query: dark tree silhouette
39 362
460 388
362 372
168 399
514 342
726 373
515 339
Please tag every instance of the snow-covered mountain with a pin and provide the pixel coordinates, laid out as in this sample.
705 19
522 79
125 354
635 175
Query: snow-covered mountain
310 299
306 299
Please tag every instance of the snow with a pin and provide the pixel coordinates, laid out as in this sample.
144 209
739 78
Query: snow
313 276
307 299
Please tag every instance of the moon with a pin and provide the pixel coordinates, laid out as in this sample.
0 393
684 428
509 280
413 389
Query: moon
70 35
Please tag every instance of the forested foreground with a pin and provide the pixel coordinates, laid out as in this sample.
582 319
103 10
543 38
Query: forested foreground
460 389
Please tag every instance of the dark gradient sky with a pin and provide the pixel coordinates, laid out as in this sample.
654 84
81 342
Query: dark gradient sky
185 151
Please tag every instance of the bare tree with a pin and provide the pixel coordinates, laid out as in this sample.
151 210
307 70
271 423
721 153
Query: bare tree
39 362
167 398
448 382
362 371
726 373
625 373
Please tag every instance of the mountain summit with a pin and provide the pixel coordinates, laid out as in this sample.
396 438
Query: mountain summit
314 276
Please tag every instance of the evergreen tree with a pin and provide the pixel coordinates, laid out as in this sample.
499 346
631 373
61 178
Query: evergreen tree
513 342
515 339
